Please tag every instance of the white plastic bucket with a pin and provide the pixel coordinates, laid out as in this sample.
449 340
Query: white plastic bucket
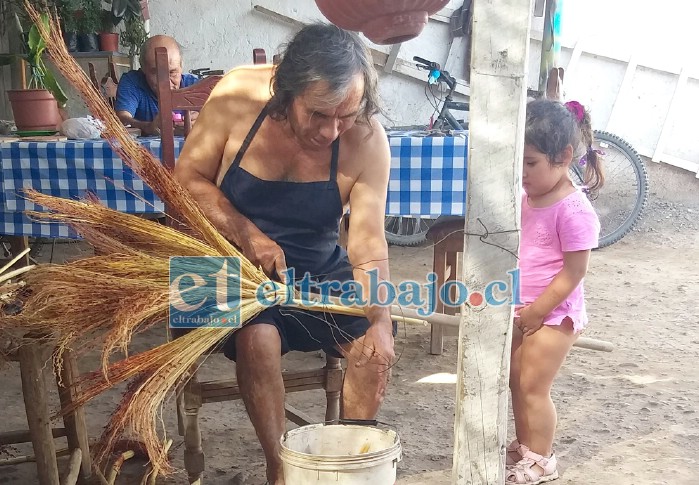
340 454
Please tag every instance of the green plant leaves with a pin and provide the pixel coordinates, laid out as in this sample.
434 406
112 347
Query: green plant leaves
36 43
55 88
119 8
41 77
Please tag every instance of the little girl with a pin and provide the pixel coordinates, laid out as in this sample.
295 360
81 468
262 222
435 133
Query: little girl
559 228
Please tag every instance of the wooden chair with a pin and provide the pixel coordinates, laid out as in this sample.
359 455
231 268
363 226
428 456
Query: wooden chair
447 235
108 84
193 394
32 356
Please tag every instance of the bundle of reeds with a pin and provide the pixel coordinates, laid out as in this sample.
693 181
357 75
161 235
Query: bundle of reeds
124 288
9 287
8 283
106 298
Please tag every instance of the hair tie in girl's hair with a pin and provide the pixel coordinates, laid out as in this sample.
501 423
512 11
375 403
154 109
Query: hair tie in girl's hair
583 160
577 109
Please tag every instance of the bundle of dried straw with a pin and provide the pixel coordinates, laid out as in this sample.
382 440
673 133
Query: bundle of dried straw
105 299
9 288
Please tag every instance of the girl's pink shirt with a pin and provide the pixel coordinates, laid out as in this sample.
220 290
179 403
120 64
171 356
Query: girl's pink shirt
570 224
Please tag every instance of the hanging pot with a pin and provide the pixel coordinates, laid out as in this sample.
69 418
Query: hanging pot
381 21
109 42
34 109
88 43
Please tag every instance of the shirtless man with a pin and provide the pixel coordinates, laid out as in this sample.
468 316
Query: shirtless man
275 174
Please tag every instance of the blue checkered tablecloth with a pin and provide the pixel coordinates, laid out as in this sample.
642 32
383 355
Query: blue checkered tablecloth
69 169
428 178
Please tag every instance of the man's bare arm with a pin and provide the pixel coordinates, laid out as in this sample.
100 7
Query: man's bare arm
147 127
366 245
197 168
367 248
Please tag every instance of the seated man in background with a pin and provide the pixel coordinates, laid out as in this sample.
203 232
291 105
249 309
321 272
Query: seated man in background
137 101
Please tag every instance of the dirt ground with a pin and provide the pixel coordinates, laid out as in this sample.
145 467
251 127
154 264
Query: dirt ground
629 417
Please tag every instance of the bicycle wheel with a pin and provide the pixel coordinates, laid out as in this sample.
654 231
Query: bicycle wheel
406 231
620 202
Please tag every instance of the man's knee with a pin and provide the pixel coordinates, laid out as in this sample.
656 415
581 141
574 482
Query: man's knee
256 341
369 381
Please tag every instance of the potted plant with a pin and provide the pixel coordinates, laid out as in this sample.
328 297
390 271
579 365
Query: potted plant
134 34
89 24
108 37
111 18
36 108
67 11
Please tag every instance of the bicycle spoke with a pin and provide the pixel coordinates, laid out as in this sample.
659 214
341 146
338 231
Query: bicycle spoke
620 202
616 201
406 231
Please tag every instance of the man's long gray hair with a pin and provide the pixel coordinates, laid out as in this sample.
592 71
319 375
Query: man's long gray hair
322 52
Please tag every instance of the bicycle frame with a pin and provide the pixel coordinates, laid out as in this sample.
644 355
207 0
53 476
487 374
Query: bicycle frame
445 115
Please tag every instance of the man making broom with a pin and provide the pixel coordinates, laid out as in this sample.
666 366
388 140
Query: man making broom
274 173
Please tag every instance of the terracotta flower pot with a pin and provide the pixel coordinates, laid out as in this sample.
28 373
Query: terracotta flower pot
109 42
34 109
381 21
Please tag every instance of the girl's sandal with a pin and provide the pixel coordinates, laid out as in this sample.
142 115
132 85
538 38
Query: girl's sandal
527 473
515 452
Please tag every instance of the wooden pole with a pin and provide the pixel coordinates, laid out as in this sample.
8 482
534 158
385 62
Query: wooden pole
32 357
73 473
24 436
500 47
412 316
74 422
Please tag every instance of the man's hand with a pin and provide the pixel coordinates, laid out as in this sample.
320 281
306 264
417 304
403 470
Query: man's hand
152 128
528 321
148 128
377 347
262 251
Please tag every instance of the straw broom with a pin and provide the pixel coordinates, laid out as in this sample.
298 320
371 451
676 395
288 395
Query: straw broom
8 295
109 297
7 287
126 290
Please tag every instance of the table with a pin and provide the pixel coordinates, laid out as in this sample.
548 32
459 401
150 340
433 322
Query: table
428 178
428 175
69 169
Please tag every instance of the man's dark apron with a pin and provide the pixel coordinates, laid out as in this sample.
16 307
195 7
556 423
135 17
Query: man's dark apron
303 218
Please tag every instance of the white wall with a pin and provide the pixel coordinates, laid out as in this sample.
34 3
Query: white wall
222 33
661 38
